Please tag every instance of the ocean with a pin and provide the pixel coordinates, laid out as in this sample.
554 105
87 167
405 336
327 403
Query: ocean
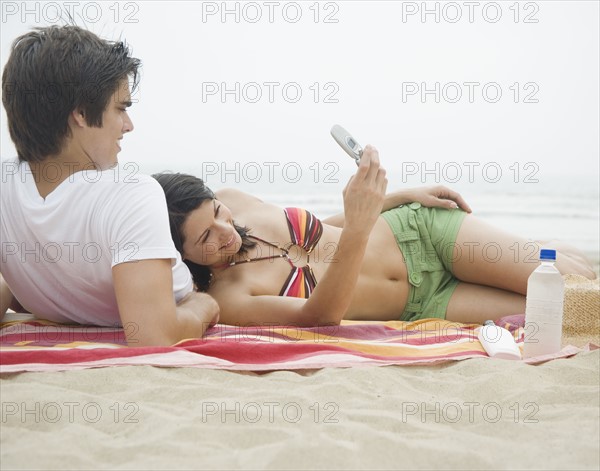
552 207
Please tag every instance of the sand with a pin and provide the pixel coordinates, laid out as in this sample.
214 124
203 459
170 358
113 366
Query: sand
471 414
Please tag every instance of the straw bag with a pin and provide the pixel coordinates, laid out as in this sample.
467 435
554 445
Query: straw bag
581 315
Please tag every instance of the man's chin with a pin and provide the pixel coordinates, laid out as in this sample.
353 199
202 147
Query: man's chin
110 165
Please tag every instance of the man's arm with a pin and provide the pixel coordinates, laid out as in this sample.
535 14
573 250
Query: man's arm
6 297
434 196
8 300
144 291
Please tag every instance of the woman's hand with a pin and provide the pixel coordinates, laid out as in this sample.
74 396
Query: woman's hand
364 194
438 197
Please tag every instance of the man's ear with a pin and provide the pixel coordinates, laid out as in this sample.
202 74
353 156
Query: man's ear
78 117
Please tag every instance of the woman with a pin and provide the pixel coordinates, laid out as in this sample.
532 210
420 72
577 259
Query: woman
376 262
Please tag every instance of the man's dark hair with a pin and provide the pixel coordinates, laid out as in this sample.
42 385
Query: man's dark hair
53 71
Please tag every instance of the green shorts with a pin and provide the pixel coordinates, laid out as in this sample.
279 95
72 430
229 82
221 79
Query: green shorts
426 238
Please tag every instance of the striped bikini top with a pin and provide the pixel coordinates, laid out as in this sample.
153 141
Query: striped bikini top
305 231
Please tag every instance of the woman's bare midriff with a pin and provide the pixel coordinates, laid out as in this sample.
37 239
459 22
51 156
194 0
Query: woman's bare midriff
382 289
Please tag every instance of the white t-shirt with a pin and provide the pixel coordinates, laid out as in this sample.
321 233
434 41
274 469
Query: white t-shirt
58 252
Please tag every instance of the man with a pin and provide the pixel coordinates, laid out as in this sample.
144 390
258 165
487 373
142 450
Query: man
83 239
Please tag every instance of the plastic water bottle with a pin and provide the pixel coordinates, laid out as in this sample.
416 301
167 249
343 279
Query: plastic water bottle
544 308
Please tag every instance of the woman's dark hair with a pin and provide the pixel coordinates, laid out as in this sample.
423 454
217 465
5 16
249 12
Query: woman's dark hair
184 194
52 71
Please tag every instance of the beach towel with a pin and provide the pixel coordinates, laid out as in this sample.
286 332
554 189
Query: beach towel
38 345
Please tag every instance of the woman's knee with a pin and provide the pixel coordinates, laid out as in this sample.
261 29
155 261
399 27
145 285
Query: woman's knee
583 270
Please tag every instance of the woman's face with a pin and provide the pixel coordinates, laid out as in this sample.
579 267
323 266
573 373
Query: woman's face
210 238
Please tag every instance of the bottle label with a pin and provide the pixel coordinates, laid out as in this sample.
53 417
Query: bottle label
543 311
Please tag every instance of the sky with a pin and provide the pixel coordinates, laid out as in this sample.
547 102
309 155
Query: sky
448 92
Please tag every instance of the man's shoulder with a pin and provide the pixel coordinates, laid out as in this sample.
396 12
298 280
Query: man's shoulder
126 176
124 179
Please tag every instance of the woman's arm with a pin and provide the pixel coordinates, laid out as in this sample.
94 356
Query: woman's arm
331 298
433 197
327 304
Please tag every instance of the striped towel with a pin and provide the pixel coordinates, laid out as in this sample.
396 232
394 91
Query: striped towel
37 345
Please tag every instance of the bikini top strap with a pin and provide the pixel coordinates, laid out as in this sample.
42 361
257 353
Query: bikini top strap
284 253
266 242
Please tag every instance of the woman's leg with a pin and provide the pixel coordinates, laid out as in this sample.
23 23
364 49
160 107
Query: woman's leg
471 303
571 259
493 267
486 255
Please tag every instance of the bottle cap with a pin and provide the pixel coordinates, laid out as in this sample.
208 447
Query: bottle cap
490 322
548 254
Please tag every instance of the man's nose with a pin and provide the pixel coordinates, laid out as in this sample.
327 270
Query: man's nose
127 124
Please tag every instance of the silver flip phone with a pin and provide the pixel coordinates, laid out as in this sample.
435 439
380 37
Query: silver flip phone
347 142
